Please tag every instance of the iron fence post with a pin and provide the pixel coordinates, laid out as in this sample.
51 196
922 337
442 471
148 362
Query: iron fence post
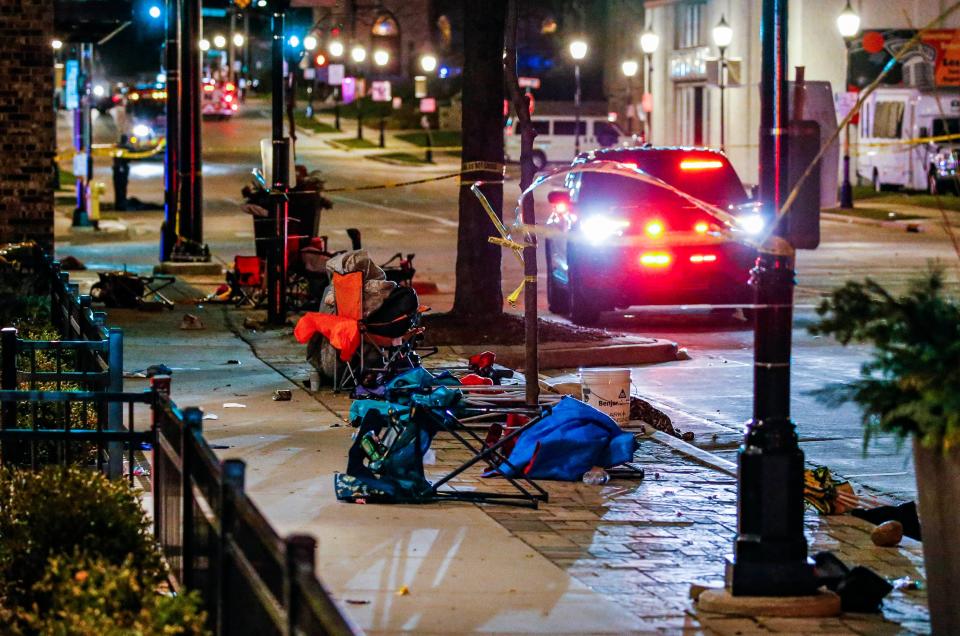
8 382
160 384
232 483
301 550
192 424
115 409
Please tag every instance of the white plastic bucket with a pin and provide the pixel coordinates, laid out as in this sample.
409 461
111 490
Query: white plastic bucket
607 390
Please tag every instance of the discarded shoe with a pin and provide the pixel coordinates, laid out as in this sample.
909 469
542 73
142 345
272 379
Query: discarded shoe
191 322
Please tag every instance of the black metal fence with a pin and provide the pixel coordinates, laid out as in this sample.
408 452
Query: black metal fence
214 538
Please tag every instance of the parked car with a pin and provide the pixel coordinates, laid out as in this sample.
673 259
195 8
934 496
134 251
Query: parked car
681 257
556 137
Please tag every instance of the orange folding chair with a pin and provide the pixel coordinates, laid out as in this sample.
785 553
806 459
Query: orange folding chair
348 292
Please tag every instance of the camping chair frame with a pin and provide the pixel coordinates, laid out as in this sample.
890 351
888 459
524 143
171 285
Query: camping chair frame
247 292
528 494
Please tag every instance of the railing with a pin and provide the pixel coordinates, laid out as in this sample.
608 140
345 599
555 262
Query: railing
214 538
92 352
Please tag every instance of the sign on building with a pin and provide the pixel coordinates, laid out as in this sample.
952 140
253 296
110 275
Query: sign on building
420 86
529 82
428 105
934 61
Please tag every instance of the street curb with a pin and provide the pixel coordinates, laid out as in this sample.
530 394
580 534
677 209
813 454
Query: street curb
695 453
86 237
566 355
841 218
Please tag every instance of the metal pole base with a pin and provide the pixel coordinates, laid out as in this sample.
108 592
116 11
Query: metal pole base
80 219
745 578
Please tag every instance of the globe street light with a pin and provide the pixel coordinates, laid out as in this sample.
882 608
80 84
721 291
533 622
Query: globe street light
649 42
578 51
630 68
294 42
848 24
238 40
219 41
358 54
428 62
154 12
335 48
381 57
310 42
56 44
204 44
722 37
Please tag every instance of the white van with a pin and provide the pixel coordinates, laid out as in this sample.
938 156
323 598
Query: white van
892 116
555 140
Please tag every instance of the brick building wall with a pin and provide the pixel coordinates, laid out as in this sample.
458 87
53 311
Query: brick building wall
27 141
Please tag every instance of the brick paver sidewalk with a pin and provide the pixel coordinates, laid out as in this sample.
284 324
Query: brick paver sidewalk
641 543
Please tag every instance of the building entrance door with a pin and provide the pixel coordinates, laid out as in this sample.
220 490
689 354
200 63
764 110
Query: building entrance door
692 115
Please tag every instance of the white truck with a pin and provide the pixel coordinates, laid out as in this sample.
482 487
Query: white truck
890 118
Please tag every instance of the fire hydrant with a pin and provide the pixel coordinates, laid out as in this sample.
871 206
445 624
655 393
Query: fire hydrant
95 190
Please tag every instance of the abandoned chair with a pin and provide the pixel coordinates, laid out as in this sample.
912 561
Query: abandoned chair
247 284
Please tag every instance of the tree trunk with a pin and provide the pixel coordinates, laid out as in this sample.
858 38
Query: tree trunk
478 292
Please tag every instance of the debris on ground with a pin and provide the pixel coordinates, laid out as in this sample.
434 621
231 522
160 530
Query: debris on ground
357 601
888 534
860 589
190 321
232 362
234 405
905 513
211 416
149 372
403 591
642 410
71 264
828 495
252 324
282 395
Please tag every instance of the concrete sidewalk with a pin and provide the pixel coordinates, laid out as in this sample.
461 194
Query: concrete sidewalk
616 559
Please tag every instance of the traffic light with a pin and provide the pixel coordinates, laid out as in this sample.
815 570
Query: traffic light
321 59
241 4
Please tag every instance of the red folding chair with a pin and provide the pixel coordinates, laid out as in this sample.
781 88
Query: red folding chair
248 281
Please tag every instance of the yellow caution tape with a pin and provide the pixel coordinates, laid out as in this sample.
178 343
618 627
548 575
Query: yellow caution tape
484 166
113 150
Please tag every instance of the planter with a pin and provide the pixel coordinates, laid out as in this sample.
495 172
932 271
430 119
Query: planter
938 483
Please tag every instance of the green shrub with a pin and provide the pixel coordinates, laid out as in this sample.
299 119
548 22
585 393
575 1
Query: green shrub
58 511
911 385
83 596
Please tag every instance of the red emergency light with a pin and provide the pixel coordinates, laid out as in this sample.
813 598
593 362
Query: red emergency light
700 164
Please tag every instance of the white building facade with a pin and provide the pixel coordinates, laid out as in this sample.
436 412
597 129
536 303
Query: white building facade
686 110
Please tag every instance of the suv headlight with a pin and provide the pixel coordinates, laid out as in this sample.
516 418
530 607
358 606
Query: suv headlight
142 131
598 228
751 223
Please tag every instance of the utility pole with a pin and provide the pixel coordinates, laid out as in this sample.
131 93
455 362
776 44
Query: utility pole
770 552
169 229
277 263
190 163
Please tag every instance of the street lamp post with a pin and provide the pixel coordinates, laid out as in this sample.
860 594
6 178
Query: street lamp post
428 63
578 51
171 158
280 177
335 49
848 23
358 54
722 37
381 58
630 68
649 41
309 45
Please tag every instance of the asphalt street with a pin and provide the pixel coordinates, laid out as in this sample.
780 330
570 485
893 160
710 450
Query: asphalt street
713 387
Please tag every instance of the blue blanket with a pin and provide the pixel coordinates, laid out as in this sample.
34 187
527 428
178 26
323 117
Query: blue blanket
574 438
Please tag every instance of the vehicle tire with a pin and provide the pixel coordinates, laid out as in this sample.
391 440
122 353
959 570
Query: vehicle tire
558 299
584 307
539 159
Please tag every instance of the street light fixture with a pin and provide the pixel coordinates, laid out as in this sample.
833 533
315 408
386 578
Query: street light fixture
204 44
578 51
335 48
219 41
381 57
722 37
428 63
154 12
358 54
293 41
310 42
238 40
56 44
649 43
630 68
848 24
